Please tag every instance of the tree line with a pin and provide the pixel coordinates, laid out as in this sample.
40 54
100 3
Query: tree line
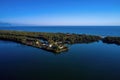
19 36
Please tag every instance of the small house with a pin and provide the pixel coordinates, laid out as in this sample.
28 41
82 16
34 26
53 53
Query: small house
50 45
61 47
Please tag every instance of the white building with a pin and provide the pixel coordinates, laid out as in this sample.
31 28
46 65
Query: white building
50 45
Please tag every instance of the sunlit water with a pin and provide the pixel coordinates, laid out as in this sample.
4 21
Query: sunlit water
94 61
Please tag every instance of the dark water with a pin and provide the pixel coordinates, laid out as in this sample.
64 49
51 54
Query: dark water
95 61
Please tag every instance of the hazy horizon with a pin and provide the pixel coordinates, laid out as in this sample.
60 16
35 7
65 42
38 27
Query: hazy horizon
61 12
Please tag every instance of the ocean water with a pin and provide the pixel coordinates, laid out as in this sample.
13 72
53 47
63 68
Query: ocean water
95 30
94 61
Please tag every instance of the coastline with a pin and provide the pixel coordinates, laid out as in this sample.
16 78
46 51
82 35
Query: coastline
53 42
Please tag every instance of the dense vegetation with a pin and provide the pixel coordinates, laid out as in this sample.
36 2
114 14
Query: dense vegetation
56 40
112 40
50 37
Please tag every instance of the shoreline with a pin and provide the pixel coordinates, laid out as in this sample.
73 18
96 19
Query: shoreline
53 42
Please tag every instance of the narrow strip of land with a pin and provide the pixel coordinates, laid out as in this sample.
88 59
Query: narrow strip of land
53 42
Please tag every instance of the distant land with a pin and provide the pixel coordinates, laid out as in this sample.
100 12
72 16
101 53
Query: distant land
5 24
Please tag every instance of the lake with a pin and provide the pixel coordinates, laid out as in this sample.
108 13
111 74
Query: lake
94 61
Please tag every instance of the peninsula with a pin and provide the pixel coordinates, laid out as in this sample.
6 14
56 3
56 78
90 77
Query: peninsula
53 42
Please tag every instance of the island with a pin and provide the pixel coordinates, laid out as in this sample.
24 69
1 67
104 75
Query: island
52 42
112 40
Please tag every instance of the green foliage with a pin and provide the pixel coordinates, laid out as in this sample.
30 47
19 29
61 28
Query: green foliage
50 37
112 40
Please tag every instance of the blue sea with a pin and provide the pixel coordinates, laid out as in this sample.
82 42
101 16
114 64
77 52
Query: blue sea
94 61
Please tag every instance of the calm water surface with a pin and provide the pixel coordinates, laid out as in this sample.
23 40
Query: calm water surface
94 61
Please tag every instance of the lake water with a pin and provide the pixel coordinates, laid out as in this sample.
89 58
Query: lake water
94 61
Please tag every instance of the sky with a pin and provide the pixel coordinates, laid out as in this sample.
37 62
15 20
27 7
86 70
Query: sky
61 12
